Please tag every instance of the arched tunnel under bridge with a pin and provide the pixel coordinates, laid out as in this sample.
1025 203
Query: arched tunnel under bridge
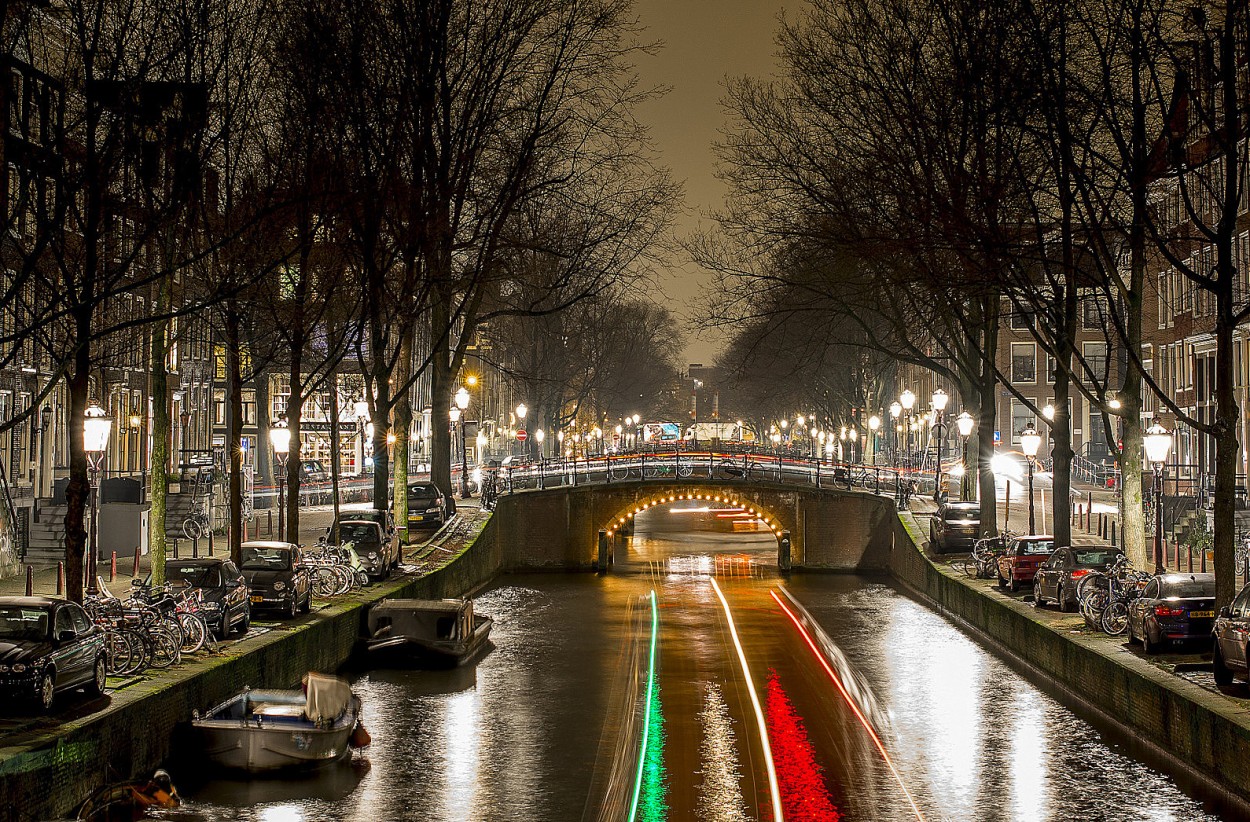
581 527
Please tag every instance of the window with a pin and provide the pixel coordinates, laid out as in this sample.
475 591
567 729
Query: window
1023 362
1096 359
1021 418
1021 319
1091 313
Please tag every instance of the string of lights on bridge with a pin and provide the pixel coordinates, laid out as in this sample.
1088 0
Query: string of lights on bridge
667 498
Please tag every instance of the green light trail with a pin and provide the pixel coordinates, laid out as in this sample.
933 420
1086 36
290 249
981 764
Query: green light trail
646 723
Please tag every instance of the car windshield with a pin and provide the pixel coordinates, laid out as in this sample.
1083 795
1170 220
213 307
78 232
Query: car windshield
23 622
421 491
1093 559
1187 587
963 512
1038 546
358 532
194 576
264 558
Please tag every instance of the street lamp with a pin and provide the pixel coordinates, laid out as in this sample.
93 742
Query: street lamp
539 436
908 401
964 423
361 407
462 403
874 425
1030 441
939 400
1158 442
280 439
96 427
896 409
521 411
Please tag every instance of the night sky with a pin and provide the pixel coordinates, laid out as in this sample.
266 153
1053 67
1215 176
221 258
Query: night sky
704 41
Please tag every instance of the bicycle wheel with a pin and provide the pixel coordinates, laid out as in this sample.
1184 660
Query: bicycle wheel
140 651
192 528
343 579
1114 618
166 648
194 632
117 652
325 583
619 472
971 567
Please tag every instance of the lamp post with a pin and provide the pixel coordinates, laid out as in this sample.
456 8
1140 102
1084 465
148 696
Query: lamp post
939 400
539 436
874 425
462 403
361 407
280 439
1158 442
521 411
964 422
1030 441
895 410
907 400
96 427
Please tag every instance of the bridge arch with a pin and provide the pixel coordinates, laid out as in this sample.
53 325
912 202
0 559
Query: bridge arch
560 527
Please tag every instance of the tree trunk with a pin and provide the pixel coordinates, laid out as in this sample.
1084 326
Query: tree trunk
986 413
1061 428
335 456
440 399
78 489
234 438
294 414
1226 454
159 381
403 424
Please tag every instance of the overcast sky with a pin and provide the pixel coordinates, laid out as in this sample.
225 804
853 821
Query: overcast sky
704 41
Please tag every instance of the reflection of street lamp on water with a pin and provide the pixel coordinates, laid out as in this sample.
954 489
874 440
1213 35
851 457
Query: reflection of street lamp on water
1030 441
96 427
1158 442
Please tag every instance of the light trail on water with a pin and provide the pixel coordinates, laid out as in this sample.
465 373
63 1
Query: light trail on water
646 723
755 703
863 720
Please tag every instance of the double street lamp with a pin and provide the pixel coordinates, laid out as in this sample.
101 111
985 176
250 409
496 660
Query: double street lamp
280 439
1158 442
964 423
96 427
1030 441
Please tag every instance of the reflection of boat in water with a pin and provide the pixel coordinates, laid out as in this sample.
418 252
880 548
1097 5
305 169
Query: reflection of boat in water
442 632
257 731
129 801
332 783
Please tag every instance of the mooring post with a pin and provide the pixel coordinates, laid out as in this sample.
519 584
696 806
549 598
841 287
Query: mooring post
30 580
783 552
604 551
135 572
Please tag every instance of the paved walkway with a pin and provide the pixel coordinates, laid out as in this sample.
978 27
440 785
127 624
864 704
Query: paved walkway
314 522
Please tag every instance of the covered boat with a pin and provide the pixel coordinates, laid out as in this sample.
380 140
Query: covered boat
258 731
442 632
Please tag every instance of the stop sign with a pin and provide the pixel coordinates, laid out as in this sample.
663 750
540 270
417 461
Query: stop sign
521 435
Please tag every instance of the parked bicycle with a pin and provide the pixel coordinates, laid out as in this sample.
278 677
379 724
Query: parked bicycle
982 562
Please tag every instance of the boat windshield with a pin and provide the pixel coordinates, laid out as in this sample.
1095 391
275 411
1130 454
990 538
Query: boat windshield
265 558
19 622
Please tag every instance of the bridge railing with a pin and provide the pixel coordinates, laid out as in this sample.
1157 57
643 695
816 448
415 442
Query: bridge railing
742 467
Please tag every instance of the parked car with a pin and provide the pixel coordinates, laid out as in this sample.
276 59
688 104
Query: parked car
378 550
48 645
383 518
426 505
956 525
1024 555
313 471
1171 608
227 602
275 576
1232 632
1058 576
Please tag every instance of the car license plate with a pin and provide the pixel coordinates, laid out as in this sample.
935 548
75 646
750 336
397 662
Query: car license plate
258 599
1201 614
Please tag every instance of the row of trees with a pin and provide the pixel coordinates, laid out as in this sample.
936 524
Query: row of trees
922 166
337 186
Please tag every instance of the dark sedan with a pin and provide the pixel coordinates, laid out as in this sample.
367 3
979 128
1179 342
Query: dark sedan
226 599
48 645
382 518
1232 632
956 525
378 551
1058 576
1173 608
276 578
426 505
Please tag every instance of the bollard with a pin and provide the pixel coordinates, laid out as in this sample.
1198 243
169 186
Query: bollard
30 580
210 543
269 524
245 530
195 548
1112 533
1089 504
1191 557
60 578
113 568
135 571
175 549
783 552
1203 561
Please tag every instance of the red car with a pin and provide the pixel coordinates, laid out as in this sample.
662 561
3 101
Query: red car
1024 555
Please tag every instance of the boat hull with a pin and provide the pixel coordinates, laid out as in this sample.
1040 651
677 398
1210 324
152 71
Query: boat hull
261 750
433 652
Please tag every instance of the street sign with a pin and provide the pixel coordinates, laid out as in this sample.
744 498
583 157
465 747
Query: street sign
521 435
998 439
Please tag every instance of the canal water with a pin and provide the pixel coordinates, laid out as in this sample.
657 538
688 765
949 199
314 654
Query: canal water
729 696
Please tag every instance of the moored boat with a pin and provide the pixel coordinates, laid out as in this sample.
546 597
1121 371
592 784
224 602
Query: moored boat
441 632
267 730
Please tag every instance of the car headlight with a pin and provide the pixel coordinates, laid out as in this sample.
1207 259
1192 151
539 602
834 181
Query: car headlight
433 510
279 586
4 669
19 668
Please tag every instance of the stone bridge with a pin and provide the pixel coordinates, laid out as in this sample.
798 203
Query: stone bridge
581 526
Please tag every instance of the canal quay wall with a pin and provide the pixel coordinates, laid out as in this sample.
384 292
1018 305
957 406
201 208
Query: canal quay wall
51 766
1202 735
